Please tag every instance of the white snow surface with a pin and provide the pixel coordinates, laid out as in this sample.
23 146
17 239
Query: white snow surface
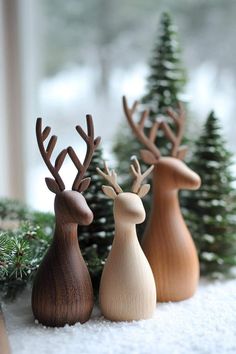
205 323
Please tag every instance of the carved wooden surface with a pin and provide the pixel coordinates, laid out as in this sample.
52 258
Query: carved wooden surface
127 288
4 342
62 290
167 242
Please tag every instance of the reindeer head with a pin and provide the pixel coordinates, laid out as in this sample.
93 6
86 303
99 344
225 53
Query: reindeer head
175 172
128 206
70 205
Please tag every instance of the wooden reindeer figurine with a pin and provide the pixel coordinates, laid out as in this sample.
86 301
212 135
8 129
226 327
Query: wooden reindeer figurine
4 341
167 242
62 290
127 288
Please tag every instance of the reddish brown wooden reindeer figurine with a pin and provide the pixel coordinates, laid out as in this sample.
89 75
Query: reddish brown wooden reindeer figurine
167 242
62 290
127 289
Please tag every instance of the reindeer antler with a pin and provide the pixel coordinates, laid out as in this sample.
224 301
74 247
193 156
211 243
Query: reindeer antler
110 177
137 187
80 183
153 153
179 119
114 189
47 153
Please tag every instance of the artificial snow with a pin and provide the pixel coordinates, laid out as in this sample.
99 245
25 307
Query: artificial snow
203 324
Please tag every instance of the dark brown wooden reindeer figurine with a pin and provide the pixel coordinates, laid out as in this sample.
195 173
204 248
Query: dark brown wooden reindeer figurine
62 290
167 242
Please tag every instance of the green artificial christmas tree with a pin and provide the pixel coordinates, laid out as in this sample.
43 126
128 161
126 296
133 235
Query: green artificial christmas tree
210 212
96 239
167 77
165 84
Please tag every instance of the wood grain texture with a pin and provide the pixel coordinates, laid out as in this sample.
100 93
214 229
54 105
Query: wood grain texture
167 242
127 288
4 342
62 290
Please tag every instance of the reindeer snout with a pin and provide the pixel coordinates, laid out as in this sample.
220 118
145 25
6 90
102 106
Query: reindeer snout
194 182
87 218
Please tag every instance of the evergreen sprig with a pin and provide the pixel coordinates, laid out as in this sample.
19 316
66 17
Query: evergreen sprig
22 244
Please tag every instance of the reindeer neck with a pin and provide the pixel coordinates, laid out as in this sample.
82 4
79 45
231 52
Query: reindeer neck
124 231
164 197
65 232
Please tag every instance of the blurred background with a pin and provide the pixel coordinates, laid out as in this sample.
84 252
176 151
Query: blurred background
63 59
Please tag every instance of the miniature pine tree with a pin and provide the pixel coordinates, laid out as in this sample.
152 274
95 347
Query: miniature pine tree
167 77
165 84
96 239
211 211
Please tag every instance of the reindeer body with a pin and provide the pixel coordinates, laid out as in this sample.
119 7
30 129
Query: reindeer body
62 290
127 289
167 242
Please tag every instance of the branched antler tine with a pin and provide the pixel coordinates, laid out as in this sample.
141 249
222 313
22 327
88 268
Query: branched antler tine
46 132
136 165
90 129
79 167
181 109
82 133
91 146
74 158
153 131
181 120
97 141
143 118
168 132
60 159
46 153
178 118
138 131
148 171
110 177
90 142
51 146
138 176
134 106
172 114
133 170
106 168
90 126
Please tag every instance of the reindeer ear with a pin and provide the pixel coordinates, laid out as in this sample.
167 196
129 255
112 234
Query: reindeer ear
144 189
84 184
148 157
182 152
109 192
52 185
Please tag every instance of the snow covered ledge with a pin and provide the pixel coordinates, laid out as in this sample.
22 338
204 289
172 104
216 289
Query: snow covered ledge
204 324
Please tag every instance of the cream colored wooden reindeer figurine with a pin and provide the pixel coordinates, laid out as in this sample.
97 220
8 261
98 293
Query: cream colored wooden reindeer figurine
167 242
127 288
